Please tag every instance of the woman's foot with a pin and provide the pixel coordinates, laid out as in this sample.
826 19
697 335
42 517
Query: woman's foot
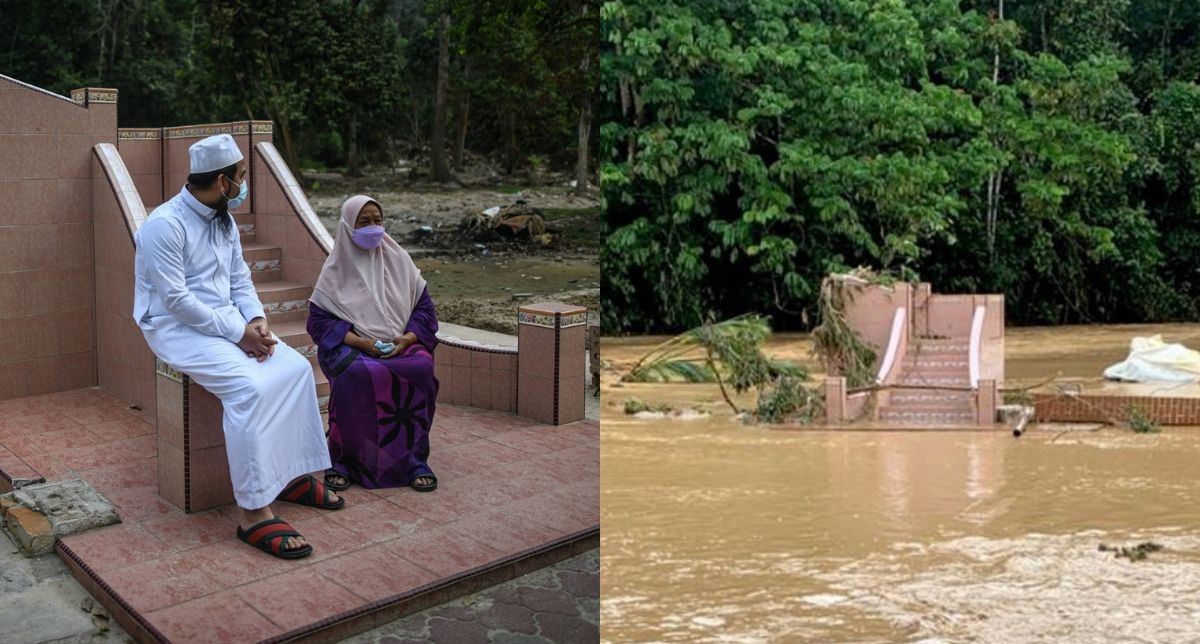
335 481
425 483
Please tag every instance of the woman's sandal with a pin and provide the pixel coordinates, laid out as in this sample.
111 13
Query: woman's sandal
336 487
429 487
311 492
270 535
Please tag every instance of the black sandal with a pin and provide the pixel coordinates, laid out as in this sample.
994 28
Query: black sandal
428 487
270 535
336 487
311 492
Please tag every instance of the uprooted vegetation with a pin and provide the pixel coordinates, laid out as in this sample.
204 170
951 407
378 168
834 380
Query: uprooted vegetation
835 344
730 354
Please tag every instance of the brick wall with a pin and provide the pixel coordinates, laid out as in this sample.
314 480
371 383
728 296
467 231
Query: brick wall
1094 408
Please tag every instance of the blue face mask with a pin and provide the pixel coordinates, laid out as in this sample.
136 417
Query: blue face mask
241 197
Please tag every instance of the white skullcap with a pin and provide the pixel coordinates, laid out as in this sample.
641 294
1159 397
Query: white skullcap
214 153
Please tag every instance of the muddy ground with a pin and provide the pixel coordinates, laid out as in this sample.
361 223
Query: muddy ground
478 278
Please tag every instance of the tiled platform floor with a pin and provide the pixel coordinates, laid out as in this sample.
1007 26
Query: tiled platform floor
512 496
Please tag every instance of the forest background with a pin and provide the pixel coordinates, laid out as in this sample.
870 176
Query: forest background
1048 150
348 83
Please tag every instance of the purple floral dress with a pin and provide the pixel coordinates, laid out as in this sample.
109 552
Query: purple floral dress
380 411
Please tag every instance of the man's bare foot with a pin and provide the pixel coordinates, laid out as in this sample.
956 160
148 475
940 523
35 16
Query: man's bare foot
252 517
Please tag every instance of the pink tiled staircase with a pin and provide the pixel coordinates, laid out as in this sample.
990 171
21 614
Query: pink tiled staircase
285 303
933 363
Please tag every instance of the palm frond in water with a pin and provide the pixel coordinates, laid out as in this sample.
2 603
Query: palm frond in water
673 371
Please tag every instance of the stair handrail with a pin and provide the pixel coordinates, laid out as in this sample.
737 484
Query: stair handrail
129 201
899 319
975 346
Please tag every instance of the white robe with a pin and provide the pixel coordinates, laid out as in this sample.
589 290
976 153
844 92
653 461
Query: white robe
193 298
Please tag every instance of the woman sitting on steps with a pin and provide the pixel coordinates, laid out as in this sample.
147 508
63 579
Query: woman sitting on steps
371 295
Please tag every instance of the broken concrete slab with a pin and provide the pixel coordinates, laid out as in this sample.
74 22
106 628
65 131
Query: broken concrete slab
37 515
31 529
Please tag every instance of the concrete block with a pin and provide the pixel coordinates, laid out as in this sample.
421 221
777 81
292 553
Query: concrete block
6 502
31 529
38 514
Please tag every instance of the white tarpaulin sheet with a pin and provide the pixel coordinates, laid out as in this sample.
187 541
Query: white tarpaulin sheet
1152 360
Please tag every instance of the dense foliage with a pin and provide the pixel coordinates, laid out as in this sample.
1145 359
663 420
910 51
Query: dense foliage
1048 151
345 81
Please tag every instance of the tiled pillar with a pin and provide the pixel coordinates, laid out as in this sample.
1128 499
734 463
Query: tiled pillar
260 131
835 399
101 103
550 363
986 407
193 469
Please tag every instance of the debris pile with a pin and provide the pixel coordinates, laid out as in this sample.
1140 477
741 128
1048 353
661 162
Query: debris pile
517 220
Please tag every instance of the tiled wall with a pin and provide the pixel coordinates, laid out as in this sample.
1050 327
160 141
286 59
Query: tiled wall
476 377
1098 409
47 282
125 364
175 160
141 150
870 309
284 218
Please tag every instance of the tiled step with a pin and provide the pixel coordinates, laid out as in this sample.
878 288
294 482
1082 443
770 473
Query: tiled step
935 361
932 408
284 301
923 347
264 261
899 398
935 380
934 372
927 418
293 334
247 226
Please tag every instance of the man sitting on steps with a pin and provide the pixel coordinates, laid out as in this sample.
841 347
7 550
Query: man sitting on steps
198 309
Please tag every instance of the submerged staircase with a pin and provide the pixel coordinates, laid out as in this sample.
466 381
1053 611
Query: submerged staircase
933 363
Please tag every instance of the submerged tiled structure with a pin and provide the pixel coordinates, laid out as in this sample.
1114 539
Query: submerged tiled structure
74 188
939 358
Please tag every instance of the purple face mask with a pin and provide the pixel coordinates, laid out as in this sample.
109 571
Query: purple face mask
368 237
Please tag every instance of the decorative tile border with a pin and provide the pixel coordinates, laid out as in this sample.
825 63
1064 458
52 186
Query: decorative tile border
308 350
534 319
87 95
258 127
578 319
323 403
167 370
556 320
264 265
246 229
139 134
285 307
201 131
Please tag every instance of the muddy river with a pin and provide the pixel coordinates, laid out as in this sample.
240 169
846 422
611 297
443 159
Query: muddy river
717 532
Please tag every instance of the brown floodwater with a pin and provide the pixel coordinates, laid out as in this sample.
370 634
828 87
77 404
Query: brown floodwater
714 531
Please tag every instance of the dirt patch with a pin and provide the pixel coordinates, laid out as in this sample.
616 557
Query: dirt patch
478 278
